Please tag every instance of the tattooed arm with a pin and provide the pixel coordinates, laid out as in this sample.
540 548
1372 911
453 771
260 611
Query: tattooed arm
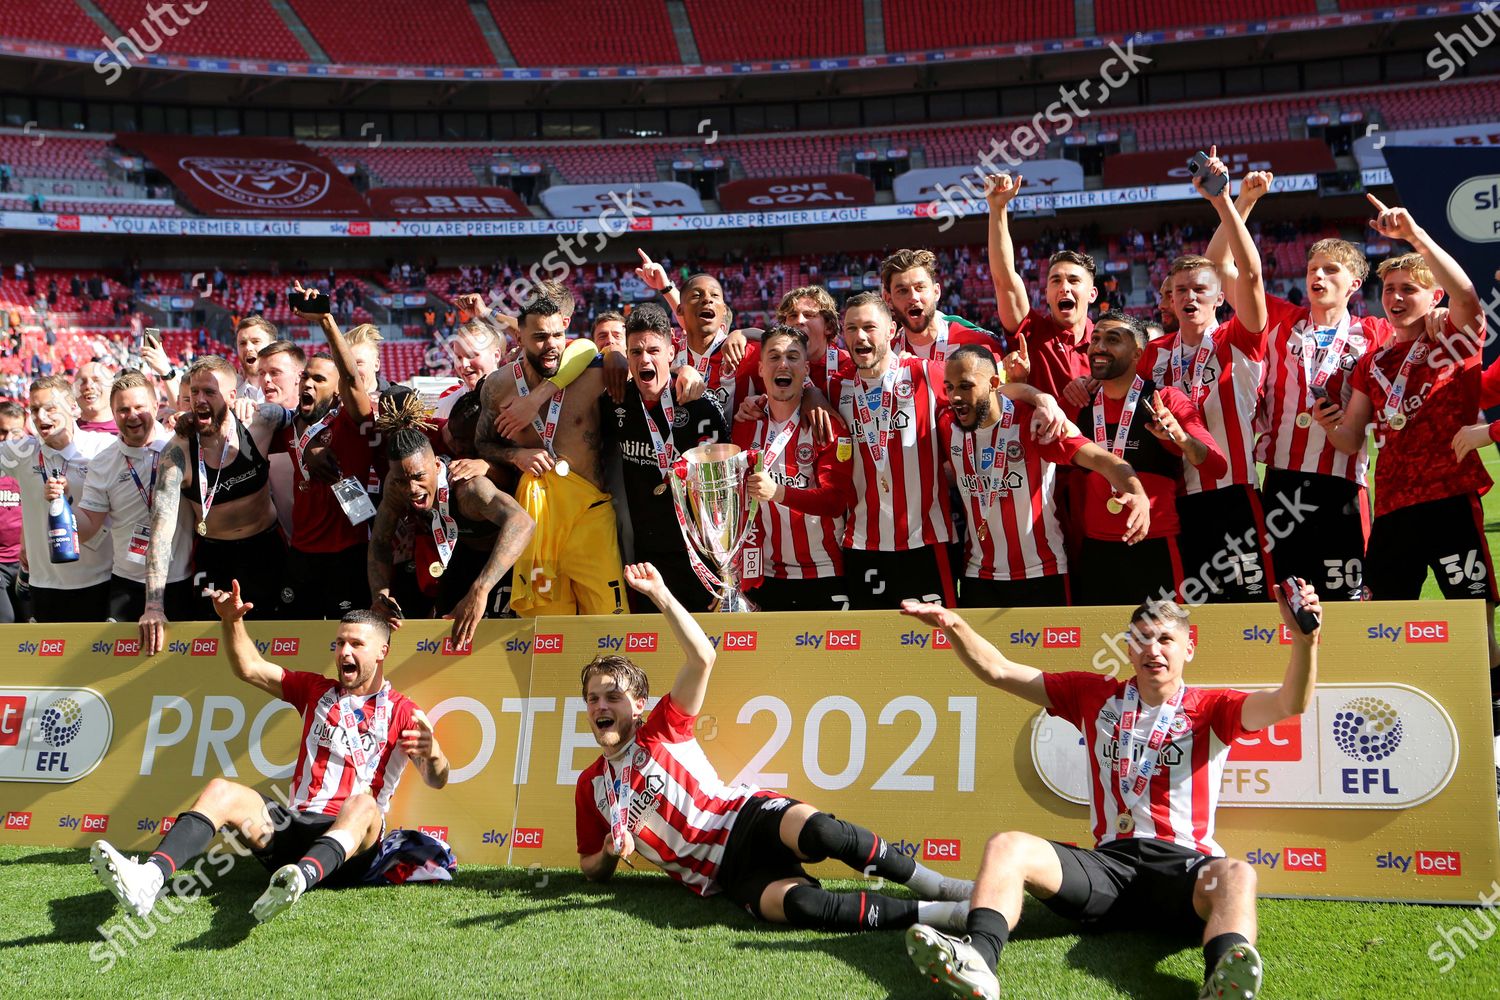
478 498
380 563
165 504
498 450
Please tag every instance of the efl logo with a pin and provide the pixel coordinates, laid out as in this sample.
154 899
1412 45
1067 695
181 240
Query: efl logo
1282 741
127 647
17 821
359 229
12 718
167 822
1305 859
640 642
94 823
204 647
1439 862
1062 638
51 647
941 850
743 641
1426 631
527 837
940 639
440 832
842 638
549 643
285 647
451 650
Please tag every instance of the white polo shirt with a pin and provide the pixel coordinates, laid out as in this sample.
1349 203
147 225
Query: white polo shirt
25 459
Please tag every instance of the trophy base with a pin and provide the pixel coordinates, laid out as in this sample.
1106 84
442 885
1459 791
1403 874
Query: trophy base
733 603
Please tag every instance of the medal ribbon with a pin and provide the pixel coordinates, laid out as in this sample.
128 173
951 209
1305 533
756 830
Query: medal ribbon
1330 361
1127 417
548 430
619 801
205 495
1195 388
306 436
989 490
1395 393
772 447
379 727
665 448
444 527
877 431
1133 780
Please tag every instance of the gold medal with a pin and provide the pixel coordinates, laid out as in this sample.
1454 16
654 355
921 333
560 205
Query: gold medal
436 569
561 468
302 486
1304 420
885 486
1125 823
202 527
661 488
984 531
1397 421
1114 505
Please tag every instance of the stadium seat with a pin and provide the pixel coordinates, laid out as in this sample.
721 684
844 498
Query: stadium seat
245 28
730 31
917 26
391 32
1127 15
586 32
52 21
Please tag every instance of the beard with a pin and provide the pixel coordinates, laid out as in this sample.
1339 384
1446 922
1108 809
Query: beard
535 360
922 322
979 415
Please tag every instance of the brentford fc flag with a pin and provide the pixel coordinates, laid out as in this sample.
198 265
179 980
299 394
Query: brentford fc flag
262 178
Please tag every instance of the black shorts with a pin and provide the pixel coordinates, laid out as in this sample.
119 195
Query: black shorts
294 832
1038 592
1316 528
1111 573
755 857
127 600
1222 544
828 593
325 585
257 562
1445 536
880 581
1138 881
84 604
463 569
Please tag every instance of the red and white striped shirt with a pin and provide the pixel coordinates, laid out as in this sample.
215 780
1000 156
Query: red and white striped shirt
945 337
1184 792
911 511
1023 537
719 385
681 812
1282 444
323 777
798 539
1228 391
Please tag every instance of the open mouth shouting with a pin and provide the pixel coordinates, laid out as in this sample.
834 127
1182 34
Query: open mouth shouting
348 671
1066 304
782 380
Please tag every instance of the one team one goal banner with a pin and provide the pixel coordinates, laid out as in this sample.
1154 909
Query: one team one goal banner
1382 790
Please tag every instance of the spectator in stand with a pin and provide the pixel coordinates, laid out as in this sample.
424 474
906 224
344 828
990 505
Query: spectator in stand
58 467
91 387
12 431
120 489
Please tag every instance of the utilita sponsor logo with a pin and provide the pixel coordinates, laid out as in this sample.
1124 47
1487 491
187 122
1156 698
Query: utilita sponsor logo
1412 631
17 821
549 644
939 849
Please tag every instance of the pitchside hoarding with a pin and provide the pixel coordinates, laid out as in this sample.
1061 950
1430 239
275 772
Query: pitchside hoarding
1383 790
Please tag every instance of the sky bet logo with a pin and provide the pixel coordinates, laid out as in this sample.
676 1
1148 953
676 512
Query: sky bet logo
1448 863
834 638
1296 859
204 647
153 826
1261 634
445 647
88 823
937 640
43 647
120 647
633 642
742 642
1050 638
440 832
1414 632
522 646
17 821
549 644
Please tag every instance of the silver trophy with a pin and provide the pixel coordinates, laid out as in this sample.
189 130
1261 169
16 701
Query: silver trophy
716 515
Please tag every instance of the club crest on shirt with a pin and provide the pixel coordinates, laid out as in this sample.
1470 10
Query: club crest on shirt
804 453
1180 724
680 415
640 757
1013 451
904 389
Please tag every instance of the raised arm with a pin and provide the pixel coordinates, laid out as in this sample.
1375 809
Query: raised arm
980 655
478 498
691 685
1010 289
244 659
1256 185
1249 298
165 503
1265 708
1463 301
351 390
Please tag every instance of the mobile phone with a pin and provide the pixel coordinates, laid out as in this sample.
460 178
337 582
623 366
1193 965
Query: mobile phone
1319 392
1307 620
153 334
300 302
390 602
1213 184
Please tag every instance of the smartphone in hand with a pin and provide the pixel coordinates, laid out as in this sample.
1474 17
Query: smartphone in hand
1213 184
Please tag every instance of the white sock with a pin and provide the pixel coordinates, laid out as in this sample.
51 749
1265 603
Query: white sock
924 881
345 839
155 878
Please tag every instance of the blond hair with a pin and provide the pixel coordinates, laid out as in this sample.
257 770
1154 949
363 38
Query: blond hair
1190 262
1412 263
365 333
820 298
1342 252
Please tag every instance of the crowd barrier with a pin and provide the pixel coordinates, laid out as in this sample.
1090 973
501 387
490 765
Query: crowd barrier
1382 790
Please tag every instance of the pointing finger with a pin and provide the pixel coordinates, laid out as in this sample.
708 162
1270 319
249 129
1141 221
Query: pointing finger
1379 205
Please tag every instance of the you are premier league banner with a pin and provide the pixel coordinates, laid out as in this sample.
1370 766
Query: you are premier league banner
1382 790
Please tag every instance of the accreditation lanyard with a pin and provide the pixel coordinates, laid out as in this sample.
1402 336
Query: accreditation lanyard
546 431
206 495
148 493
1332 358
306 437
1135 778
992 487
1127 417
